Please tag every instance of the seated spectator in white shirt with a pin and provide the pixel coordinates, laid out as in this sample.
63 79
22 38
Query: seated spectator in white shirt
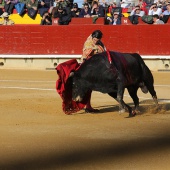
135 14
137 11
154 9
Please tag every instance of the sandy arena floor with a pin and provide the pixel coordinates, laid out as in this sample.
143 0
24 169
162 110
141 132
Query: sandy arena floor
36 134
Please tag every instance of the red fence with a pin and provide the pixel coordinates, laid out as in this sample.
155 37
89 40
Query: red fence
33 39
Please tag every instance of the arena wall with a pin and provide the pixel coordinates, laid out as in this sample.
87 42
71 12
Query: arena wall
40 47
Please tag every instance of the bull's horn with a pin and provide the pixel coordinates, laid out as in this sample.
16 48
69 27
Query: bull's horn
71 74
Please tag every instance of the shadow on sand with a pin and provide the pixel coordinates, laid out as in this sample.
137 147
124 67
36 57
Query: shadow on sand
110 150
145 106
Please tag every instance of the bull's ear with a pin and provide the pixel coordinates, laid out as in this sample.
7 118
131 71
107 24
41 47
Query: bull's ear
71 74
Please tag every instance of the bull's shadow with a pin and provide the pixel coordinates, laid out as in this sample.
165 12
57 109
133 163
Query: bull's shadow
145 106
105 109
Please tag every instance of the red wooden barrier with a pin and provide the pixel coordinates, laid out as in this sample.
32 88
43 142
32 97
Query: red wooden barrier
82 21
168 21
32 39
125 21
55 21
86 21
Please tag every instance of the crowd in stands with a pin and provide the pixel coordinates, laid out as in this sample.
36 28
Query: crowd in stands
157 11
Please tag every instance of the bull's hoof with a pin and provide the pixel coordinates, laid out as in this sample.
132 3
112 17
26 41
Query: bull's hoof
122 111
132 114
92 110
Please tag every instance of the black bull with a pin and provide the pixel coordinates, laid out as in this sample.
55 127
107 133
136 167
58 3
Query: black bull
125 71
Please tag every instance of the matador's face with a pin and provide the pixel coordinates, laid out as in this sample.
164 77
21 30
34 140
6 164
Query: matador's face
95 40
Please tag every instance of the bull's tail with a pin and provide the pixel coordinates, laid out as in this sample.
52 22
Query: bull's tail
147 83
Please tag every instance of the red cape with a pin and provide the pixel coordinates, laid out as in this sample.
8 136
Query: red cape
64 89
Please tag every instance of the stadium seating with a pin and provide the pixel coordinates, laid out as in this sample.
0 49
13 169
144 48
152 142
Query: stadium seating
25 19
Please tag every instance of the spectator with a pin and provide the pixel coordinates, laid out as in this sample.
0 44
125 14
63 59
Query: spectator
167 11
128 3
102 3
89 2
115 19
32 6
46 19
66 5
9 5
75 11
6 20
85 12
156 20
137 11
149 2
94 2
20 7
112 5
143 6
44 6
159 2
86 2
164 5
71 3
64 17
165 15
97 10
107 3
63 3
154 9
1 11
53 8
